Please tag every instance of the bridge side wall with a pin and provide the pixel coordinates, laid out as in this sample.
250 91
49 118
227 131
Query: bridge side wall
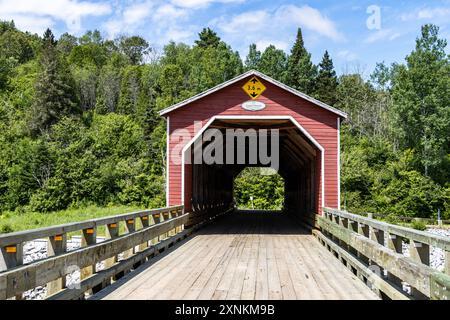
318 122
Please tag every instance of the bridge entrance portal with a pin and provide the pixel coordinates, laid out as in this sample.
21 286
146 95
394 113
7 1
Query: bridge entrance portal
213 136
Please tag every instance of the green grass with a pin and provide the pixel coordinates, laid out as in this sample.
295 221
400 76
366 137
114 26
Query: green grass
13 221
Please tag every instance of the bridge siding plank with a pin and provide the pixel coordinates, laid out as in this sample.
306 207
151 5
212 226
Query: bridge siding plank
245 257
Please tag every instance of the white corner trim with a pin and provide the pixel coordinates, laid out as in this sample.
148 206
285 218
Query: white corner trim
258 74
167 160
339 162
250 117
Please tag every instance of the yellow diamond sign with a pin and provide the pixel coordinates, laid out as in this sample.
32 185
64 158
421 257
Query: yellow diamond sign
254 88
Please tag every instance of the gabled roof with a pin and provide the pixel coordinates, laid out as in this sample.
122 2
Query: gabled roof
262 76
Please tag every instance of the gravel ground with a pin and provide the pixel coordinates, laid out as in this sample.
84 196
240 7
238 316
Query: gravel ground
37 250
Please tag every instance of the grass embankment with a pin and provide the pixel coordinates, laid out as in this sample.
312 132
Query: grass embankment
14 221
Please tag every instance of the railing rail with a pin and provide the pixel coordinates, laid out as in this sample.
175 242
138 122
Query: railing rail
159 228
434 222
366 245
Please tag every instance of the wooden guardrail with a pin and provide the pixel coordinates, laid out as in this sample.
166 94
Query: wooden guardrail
428 221
120 252
373 250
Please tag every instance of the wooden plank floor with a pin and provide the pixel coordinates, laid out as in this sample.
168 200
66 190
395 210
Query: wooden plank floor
244 255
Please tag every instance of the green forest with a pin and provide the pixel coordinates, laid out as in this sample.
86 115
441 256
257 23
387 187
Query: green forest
80 127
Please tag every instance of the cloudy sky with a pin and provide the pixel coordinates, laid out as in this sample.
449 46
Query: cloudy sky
356 33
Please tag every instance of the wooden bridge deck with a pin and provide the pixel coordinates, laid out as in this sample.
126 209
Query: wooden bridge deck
243 256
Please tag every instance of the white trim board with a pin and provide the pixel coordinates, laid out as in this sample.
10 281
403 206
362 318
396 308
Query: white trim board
339 162
262 76
290 118
167 160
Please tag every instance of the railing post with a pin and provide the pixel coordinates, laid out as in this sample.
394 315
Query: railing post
144 245
56 245
145 224
111 232
378 236
11 256
363 229
88 238
343 222
419 252
166 216
130 226
395 243
156 220
447 262
353 226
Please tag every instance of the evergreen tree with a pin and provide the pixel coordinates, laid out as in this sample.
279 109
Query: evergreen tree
208 38
326 81
301 72
421 100
253 58
273 63
55 94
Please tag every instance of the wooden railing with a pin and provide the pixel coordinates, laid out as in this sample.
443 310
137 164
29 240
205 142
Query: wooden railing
126 246
427 221
373 250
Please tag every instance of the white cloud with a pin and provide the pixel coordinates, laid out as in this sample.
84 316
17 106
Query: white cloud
48 11
128 18
308 18
285 17
178 35
137 12
426 13
383 34
261 45
245 22
32 24
347 55
159 21
168 11
197 4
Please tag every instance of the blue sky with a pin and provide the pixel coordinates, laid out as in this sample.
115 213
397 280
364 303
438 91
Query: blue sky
356 33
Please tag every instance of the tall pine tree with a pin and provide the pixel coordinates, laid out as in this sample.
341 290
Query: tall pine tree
326 81
208 38
301 72
55 94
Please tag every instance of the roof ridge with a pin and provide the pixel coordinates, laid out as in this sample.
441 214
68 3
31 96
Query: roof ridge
244 75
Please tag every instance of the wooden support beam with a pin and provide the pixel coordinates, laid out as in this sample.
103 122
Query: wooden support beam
56 245
88 238
419 252
447 262
112 232
11 256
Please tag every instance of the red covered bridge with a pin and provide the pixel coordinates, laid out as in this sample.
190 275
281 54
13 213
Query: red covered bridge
308 145
201 247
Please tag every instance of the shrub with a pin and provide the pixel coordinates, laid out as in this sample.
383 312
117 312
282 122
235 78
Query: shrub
418 225
6 228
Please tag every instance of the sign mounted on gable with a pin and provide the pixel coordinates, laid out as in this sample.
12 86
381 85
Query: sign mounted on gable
254 88
253 105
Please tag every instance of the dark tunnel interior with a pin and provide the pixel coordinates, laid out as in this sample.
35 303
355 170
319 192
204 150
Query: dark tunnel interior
218 158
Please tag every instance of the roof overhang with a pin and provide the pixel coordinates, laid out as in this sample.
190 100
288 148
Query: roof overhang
262 76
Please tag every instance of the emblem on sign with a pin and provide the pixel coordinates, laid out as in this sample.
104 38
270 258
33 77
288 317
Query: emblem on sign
253 105
254 88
